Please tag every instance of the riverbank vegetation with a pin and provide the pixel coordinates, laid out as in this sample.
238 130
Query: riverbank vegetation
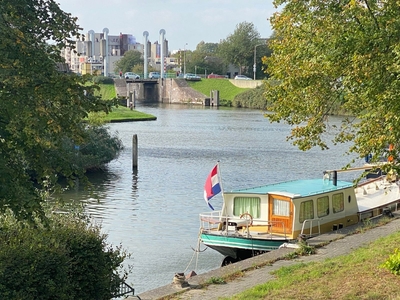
45 136
66 258
359 275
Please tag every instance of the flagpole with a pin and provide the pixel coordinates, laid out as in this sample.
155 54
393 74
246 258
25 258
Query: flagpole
223 210
220 179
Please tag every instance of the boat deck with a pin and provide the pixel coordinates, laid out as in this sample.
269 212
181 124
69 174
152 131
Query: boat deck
242 233
377 193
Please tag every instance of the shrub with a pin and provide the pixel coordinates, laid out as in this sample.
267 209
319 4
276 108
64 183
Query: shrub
98 149
103 79
393 263
67 259
253 98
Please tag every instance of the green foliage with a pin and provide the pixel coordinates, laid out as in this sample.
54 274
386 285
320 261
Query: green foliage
238 48
252 98
98 149
204 60
103 80
215 280
305 249
337 54
40 106
393 263
68 259
131 59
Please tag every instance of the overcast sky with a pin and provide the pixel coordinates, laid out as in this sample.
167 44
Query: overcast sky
185 21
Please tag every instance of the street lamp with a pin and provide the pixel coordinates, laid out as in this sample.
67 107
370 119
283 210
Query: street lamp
254 66
184 59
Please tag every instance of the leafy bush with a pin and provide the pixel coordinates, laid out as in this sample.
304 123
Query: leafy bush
98 149
67 259
393 263
103 79
253 98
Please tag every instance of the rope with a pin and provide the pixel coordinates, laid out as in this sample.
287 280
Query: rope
196 252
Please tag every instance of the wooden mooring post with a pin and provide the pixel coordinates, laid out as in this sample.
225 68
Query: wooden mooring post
134 152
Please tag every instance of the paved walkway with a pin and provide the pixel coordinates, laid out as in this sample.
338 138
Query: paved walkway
336 244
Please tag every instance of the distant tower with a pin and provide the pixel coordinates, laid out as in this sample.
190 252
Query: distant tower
145 53
90 52
105 51
162 46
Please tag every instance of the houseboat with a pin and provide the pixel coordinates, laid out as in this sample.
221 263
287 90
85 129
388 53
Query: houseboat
261 219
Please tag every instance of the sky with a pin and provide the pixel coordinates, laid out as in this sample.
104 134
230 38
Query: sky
186 22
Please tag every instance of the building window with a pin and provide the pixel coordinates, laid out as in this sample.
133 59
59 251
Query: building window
323 206
306 210
338 202
250 205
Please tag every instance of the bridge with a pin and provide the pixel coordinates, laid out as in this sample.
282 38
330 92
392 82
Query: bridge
168 90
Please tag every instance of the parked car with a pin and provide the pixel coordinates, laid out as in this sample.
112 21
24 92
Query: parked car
242 77
131 75
154 75
190 76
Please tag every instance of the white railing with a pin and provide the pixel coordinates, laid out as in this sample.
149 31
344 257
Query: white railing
311 226
212 220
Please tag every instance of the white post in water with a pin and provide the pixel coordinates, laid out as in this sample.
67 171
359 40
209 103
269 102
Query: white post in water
134 152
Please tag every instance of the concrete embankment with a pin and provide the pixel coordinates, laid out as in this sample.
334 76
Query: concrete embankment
257 270
170 90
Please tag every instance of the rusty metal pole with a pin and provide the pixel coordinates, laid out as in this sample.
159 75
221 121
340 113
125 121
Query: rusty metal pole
134 152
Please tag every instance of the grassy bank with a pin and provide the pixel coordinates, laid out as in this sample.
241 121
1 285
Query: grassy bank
227 91
120 113
124 114
358 275
107 91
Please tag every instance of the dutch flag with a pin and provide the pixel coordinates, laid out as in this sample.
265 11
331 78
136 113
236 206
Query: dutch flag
212 186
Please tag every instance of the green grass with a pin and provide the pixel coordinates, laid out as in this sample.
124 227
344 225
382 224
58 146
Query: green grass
227 90
359 275
120 114
107 91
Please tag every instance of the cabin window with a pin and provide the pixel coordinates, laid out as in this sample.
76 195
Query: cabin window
323 206
306 210
281 208
247 204
338 202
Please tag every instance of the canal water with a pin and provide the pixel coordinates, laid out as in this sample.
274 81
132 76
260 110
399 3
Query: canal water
153 212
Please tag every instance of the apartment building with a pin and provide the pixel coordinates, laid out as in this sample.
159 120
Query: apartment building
97 53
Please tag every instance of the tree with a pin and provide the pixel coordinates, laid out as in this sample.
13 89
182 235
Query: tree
207 48
40 106
238 48
337 54
131 59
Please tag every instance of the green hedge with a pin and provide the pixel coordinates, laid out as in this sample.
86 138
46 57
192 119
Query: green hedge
253 98
68 259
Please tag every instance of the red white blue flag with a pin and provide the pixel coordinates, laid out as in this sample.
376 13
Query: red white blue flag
212 186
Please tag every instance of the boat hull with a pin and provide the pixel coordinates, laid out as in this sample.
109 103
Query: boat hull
240 247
